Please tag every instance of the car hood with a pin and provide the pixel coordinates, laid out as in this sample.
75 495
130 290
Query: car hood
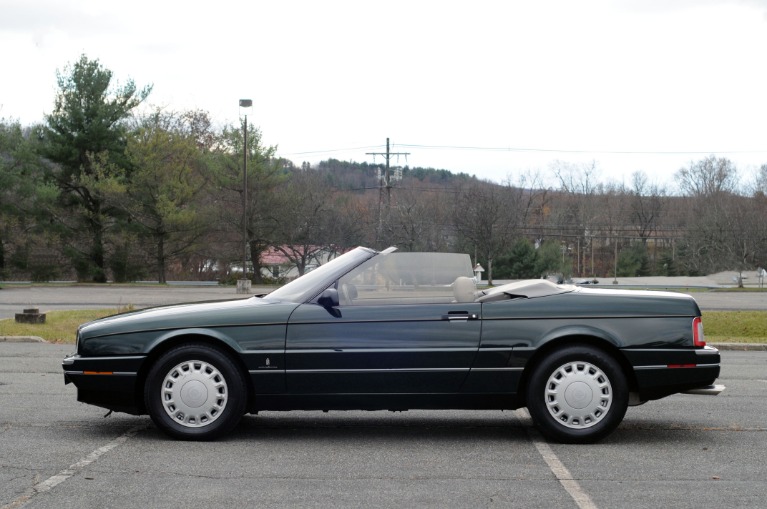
192 315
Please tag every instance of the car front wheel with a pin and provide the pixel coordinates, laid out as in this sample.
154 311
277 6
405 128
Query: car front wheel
195 392
578 394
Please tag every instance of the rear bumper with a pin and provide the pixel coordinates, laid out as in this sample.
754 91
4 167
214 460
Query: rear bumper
660 373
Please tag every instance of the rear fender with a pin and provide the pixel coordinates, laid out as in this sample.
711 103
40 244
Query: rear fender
576 331
570 335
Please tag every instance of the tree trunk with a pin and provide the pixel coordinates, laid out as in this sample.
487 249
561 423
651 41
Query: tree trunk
97 253
161 259
489 271
255 258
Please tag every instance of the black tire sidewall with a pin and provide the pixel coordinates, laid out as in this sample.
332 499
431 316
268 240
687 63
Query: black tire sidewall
536 404
235 405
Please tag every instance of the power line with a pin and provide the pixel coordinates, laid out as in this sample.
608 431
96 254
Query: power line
327 151
526 149
578 151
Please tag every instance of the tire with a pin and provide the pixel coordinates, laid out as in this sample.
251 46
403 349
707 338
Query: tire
195 392
577 394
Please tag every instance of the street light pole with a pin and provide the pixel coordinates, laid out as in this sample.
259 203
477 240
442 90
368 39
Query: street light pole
243 285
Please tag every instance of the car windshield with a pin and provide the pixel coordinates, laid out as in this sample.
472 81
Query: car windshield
312 283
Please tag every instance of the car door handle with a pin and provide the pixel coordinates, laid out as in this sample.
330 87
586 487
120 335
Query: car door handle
460 316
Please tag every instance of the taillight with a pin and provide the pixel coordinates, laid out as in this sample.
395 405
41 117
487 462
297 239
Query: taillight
698 339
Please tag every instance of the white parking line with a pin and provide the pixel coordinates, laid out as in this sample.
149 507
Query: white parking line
581 498
65 474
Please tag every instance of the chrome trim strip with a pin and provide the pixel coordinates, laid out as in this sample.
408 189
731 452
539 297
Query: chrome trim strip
496 348
392 370
706 350
498 369
113 373
580 317
380 350
665 366
665 350
267 352
113 358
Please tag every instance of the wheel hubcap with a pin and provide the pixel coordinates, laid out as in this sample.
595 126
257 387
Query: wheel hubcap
578 395
194 393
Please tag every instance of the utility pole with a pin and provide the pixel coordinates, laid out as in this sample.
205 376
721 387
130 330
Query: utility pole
385 184
243 285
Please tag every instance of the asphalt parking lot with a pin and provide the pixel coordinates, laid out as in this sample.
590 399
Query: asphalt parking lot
683 451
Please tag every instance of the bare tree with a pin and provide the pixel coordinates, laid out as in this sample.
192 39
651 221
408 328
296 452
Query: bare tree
760 183
419 218
303 218
724 228
708 177
646 205
490 216
582 213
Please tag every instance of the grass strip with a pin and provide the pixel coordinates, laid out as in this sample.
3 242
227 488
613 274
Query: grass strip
59 326
735 326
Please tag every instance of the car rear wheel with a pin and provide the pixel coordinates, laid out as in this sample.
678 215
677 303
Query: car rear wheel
195 392
577 394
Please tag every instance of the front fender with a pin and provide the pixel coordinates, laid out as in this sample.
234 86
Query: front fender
215 334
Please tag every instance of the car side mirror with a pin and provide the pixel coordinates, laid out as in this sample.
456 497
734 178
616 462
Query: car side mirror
329 298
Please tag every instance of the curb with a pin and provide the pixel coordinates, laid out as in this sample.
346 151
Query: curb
743 347
21 339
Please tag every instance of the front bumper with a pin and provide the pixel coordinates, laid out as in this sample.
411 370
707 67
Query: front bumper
107 382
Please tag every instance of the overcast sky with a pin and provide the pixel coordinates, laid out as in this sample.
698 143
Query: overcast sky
491 88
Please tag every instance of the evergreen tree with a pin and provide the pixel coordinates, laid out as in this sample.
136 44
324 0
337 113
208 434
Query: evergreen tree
87 124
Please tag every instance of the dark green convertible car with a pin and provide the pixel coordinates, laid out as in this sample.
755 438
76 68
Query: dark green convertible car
396 331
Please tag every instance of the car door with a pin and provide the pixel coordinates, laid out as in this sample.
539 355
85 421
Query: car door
398 328
406 348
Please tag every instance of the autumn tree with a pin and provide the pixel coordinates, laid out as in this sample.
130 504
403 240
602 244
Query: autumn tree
159 195
256 226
